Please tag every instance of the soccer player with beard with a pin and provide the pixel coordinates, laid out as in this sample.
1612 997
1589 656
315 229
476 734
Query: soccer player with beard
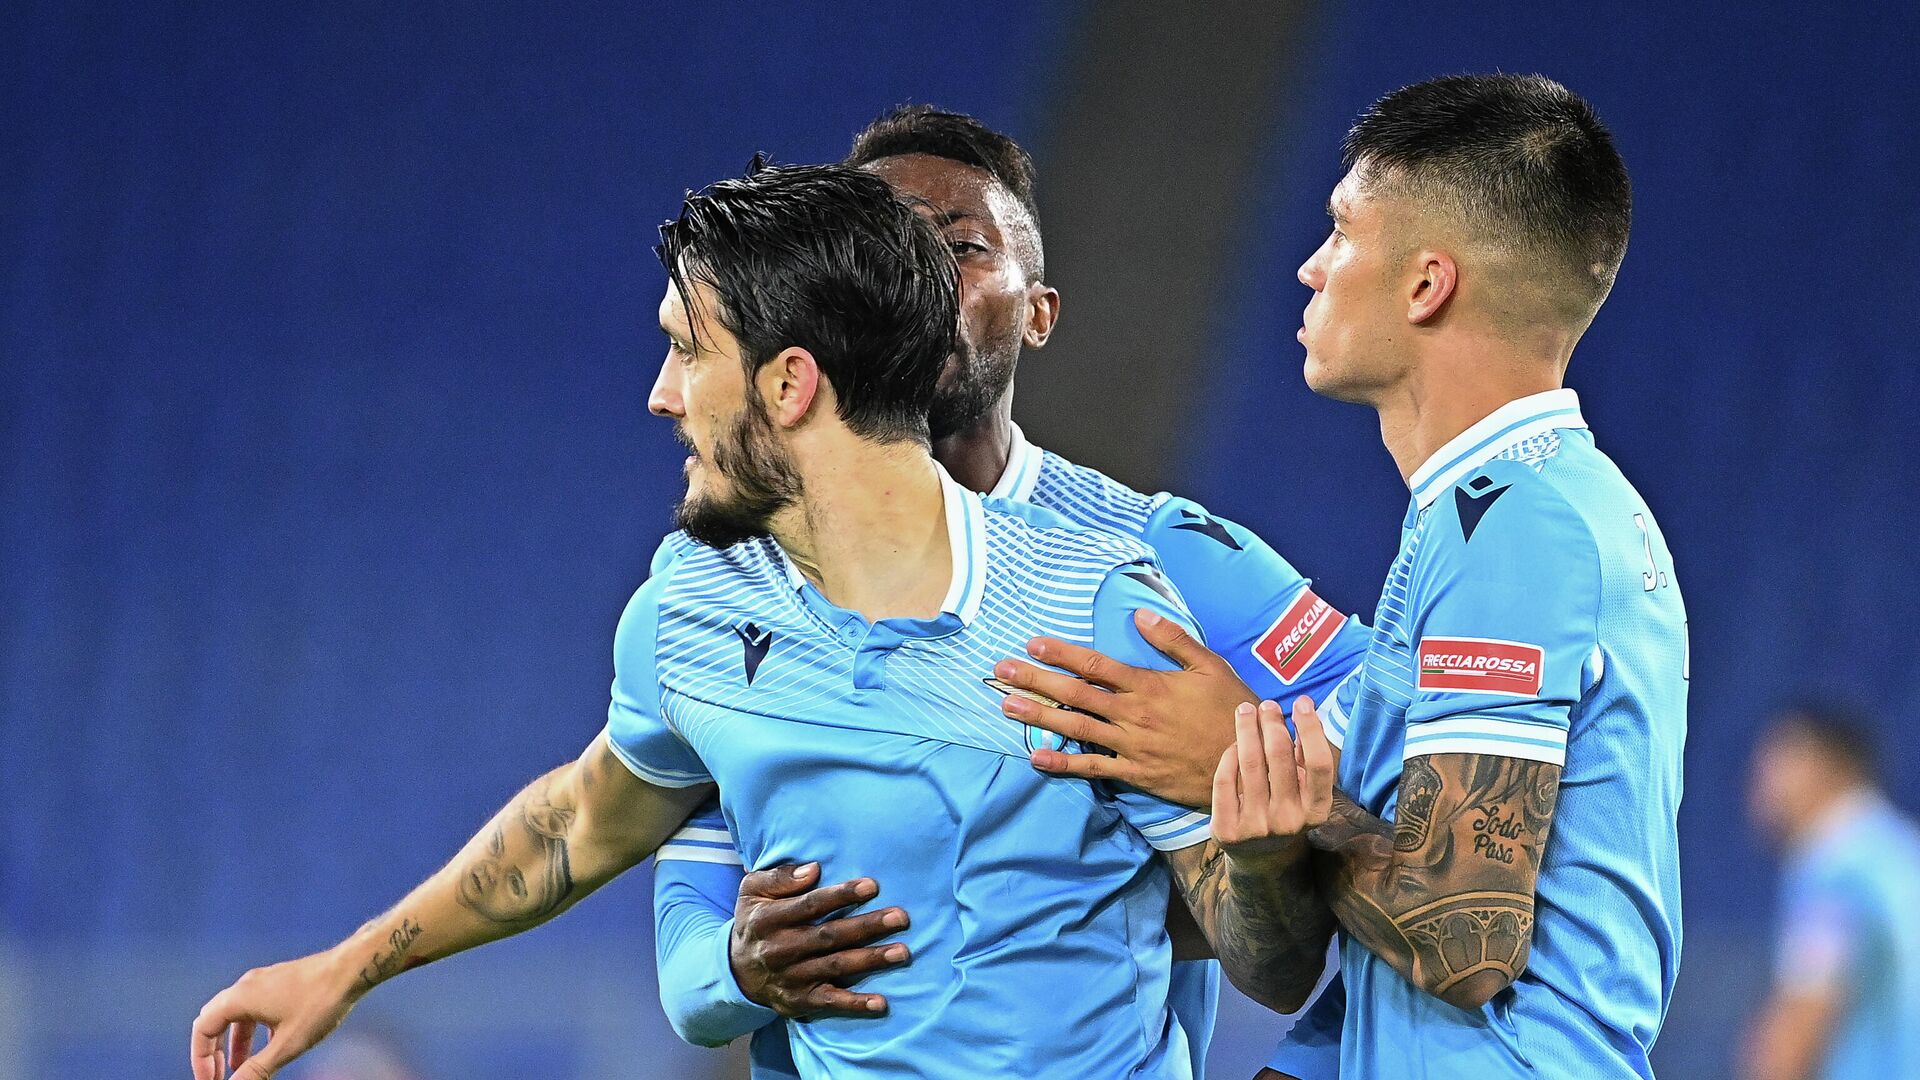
818 654
723 974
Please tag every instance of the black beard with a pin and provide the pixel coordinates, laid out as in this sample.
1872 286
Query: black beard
983 377
761 476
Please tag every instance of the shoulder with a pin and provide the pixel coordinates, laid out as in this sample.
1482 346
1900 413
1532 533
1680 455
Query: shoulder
1090 497
1510 511
1043 537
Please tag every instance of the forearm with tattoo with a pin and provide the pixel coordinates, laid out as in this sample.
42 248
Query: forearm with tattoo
1263 918
1444 894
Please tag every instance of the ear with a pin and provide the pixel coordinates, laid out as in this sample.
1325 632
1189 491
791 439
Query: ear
1436 278
787 385
1043 308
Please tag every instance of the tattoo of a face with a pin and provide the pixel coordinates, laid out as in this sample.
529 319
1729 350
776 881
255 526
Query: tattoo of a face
1419 790
524 874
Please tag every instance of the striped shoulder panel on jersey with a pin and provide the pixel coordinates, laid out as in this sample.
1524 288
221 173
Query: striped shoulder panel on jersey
1091 497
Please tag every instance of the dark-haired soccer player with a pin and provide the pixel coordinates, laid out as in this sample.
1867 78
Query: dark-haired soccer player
1528 663
826 634
721 977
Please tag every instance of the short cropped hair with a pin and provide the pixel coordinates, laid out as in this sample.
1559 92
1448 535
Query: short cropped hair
1841 733
1520 157
826 258
923 129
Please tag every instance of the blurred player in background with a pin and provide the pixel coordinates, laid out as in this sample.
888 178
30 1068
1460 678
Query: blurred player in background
1528 664
722 976
817 654
1846 991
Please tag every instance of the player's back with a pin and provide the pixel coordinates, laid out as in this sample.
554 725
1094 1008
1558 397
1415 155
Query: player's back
1038 936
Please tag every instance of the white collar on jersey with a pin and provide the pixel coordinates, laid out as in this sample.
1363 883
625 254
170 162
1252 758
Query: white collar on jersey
966 541
1023 470
1517 420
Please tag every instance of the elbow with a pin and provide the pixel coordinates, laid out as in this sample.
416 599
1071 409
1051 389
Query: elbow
1474 991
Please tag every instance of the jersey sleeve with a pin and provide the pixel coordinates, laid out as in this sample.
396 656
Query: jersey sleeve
1258 611
1168 827
696 882
1310 1050
637 728
1506 596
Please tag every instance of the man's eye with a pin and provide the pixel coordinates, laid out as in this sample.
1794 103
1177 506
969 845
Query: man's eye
962 248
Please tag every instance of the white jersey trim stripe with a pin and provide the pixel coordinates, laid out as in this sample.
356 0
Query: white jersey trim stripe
682 853
1514 422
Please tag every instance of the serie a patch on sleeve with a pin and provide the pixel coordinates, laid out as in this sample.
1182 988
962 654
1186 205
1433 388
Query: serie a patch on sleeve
1298 637
1481 666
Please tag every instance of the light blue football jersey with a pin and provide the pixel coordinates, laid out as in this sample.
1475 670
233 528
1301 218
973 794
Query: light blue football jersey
1531 612
1846 924
1255 609
878 749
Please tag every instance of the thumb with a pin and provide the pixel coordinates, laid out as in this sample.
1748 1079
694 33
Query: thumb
1172 639
260 1066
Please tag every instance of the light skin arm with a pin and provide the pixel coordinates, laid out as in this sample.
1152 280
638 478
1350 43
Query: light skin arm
1250 888
1791 1034
563 836
1471 833
1445 894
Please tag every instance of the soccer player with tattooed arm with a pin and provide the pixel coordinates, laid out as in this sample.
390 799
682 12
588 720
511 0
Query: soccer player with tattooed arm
817 653
740 953
1496 835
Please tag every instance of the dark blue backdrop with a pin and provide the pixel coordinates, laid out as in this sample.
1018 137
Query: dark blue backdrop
324 341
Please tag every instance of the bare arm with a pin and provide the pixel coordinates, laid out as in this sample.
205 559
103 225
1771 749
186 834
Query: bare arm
1446 894
1250 888
563 836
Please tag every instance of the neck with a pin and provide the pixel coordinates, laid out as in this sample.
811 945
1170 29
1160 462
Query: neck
976 456
1442 398
870 531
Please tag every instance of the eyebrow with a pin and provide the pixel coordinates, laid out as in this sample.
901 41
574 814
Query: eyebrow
1333 213
948 217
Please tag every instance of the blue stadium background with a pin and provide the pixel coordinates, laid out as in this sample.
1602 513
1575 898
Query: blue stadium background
325 466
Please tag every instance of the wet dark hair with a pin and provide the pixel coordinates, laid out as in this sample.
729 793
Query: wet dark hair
923 129
1840 732
828 259
1520 156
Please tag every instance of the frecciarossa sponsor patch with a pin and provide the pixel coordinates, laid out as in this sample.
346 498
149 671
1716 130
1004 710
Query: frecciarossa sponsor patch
1481 666
1298 637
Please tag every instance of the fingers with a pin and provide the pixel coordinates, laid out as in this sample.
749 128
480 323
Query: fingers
240 1043
209 1031
848 964
832 999
1318 763
1226 797
778 882
1073 725
1082 766
1172 639
819 903
1065 689
790 949
1097 668
1284 815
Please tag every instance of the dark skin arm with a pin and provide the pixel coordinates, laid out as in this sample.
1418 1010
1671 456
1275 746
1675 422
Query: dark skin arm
1446 898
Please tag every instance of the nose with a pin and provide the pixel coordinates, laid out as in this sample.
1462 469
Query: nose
664 399
1311 273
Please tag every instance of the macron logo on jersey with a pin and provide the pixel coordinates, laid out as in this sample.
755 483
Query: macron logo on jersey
754 643
1481 666
1298 637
